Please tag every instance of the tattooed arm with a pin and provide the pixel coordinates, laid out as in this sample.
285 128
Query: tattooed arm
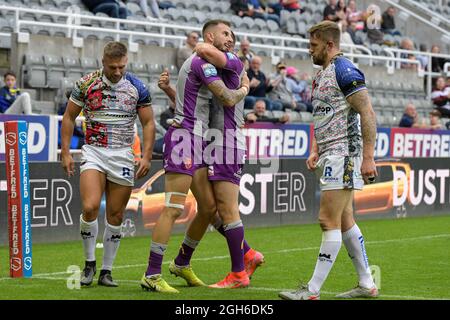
228 97
360 102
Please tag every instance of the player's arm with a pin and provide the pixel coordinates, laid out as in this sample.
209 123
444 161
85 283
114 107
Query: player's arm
164 85
67 126
360 102
228 97
146 118
211 54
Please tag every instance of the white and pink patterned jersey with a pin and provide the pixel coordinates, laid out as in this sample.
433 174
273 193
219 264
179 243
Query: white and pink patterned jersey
110 108
337 127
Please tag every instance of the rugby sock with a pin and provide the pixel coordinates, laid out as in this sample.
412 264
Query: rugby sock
234 233
331 243
354 243
111 242
89 232
219 227
155 260
186 250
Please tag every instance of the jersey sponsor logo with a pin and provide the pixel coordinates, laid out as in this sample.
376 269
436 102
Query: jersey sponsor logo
209 70
323 113
113 116
231 56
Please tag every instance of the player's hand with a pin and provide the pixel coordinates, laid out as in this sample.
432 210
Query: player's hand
311 162
143 168
68 164
369 170
164 80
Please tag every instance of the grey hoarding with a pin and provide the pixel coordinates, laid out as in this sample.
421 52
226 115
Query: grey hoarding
287 195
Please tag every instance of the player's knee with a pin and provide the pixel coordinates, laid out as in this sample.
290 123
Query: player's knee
115 218
327 224
207 210
172 213
91 209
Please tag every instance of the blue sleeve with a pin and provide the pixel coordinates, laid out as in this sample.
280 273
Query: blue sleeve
349 78
4 103
143 92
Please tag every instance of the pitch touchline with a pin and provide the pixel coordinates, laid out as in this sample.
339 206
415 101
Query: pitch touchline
269 252
135 282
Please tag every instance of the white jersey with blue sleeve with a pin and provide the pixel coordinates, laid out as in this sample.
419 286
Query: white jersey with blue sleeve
337 127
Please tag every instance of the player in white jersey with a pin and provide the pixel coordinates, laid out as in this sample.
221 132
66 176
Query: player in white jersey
342 155
111 99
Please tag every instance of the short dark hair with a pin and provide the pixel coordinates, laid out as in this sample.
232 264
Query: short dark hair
213 23
115 50
326 30
9 73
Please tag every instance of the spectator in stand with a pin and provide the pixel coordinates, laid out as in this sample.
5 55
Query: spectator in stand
441 97
155 5
245 54
437 63
341 10
422 58
186 51
388 22
291 5
329 13
354 15
299 88
110 7
280 91
372 23
259 114
259 86
435 120
351 29
12 100
253 9
346 38
410 118
408 44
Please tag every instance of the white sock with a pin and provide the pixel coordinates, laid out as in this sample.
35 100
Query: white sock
331 243
89 232
354 243
111 242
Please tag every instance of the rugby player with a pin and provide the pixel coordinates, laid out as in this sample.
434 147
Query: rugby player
110 99
342 156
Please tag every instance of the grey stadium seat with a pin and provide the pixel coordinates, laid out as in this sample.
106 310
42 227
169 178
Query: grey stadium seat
73 68
34 71
89 64
55 70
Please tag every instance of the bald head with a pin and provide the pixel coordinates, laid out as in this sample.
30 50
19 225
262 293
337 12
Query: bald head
410 110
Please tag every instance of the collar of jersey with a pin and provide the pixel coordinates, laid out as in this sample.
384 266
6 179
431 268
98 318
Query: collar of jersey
108 82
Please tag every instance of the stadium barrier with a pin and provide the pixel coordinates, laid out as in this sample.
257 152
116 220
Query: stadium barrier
288 194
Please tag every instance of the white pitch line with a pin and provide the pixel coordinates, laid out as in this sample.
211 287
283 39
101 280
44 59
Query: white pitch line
135 282
43 275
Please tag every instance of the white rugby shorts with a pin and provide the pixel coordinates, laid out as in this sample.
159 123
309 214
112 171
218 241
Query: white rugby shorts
339 172
117 163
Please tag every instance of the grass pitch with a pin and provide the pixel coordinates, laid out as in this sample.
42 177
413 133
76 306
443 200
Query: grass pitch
412 254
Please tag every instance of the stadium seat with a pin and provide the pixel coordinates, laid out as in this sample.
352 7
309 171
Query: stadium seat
55 70
73 68
34 71
88 64
140 70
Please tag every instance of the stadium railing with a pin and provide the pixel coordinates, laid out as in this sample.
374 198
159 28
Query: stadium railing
286 44
430 23
438 18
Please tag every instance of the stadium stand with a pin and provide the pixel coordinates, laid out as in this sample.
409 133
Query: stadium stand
44 61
